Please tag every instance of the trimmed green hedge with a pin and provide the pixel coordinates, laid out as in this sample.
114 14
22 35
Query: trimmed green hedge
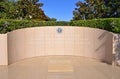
109 24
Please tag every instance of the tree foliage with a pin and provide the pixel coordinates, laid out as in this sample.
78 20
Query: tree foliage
94 9
22 9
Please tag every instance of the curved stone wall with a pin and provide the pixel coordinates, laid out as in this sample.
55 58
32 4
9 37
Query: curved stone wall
3 49
60 40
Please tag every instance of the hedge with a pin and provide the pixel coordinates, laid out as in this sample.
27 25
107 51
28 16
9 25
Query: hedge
109 24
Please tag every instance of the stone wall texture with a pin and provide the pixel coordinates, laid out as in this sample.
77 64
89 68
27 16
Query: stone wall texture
59 40
116 49
3 49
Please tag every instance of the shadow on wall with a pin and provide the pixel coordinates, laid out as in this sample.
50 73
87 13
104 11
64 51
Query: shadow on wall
117 49
102 35
105 42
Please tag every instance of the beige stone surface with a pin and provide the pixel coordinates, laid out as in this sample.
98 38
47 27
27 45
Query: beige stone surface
3 49
37 68
75 41
60 64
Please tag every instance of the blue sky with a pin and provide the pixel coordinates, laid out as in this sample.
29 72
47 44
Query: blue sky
59 9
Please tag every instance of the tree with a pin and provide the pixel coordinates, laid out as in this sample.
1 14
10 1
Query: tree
1 7
51 19
30 9
2 0
93 9
8 10
22 9
113 8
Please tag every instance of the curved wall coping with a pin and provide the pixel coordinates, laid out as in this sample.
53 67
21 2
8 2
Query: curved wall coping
58 27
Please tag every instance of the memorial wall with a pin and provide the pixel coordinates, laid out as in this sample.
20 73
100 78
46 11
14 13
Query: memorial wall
59 40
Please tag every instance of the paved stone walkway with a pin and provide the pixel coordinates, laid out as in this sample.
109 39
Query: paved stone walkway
59 67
